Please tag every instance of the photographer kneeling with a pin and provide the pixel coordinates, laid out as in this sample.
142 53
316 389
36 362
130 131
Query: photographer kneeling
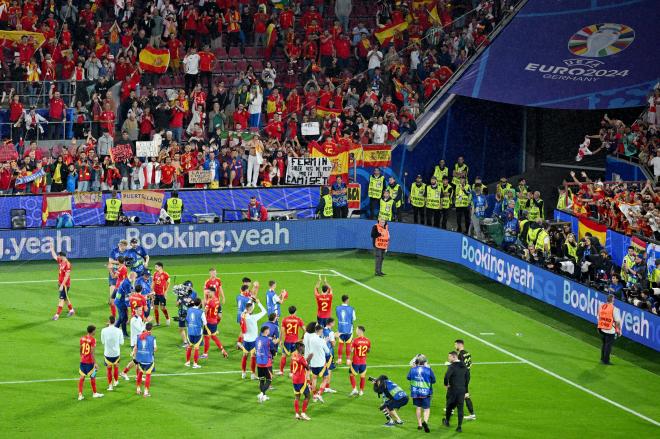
393 399
185 298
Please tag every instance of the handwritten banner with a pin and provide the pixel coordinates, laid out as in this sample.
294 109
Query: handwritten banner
310 129
146 149
200 176
310 170
121 153
87 200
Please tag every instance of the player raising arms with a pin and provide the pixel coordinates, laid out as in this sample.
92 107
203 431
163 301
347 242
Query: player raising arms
299 370
161 283
215 282
144 352
250 326
291 326
113 265
88 366
213 312
242 300
345 319
274 300
63 282
323 301
358 364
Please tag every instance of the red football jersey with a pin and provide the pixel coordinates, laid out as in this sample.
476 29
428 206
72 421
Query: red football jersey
87 344
291 325
161 279
323 304
298 368
64 267
212 307
122 273
137 300
361 346
215 283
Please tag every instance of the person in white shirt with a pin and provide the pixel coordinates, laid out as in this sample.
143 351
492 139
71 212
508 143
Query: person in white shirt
374 57
137 327
191 69
379 131
250 336
316 349
112 338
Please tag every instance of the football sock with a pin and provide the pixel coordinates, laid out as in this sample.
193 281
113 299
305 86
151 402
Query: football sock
253 364
216 340
166 314
80 384
59 310
188 352
113 310
305 403
243 363
70 306
282 363
340 349
362 381
147 381
116 372
109 370
93 382
196 356
296 405
352 378
207 343
139 378
157 315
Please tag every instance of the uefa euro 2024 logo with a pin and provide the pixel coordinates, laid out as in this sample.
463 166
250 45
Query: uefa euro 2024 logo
589 44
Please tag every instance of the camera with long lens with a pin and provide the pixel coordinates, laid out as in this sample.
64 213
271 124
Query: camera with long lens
184 298
126 220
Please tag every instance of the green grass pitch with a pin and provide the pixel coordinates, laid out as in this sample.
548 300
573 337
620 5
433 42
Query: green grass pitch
536 371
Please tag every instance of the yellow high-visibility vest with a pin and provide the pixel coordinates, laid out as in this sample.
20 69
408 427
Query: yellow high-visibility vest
376 186
386 209
112 209
417 195
174 208
327 208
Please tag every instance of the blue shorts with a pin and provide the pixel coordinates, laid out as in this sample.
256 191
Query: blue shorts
111 361
111 280
289 348
194 340
322 321
320 371
424 403
358 369
394 404
346 338
248 346
86 369
146 367
64 293
160 300
301 389
182 322
211 329
330 362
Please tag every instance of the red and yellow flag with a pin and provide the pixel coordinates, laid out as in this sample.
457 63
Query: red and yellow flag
336 153
376 156
154 60
53 206
597 230
271 36
14 36
389 31
142 201
325 111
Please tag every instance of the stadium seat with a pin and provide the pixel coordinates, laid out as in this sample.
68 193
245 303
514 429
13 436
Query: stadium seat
251 52
235 53
241 65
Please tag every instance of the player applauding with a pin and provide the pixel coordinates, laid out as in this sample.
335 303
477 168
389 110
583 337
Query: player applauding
161 285
358 364
215 282
323 301
63 282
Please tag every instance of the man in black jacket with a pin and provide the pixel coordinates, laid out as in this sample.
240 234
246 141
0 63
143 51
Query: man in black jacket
456 380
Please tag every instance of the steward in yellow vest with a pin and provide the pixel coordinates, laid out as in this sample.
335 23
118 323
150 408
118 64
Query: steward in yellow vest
375 192
174 207
440 171
112 210
460 170
418 199
324 208
386 211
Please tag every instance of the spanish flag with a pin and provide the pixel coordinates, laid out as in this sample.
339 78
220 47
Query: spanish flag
154 60
388 32
597 230
271 35
398 89
435 17
53 206
7 37
376 156
338 155
325 111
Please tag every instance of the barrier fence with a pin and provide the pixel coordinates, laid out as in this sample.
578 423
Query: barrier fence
240 237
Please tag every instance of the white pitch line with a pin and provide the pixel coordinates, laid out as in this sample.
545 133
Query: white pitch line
181 275
227 372
504 351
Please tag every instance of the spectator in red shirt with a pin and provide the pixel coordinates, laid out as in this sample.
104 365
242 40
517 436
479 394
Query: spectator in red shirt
260 24
167 174
206 64
56 115
107 119
15 112
176 120
287 19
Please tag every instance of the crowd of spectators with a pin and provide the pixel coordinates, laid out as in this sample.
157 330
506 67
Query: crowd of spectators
218 106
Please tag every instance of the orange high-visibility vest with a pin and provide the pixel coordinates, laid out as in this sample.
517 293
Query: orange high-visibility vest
384 239
606 316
